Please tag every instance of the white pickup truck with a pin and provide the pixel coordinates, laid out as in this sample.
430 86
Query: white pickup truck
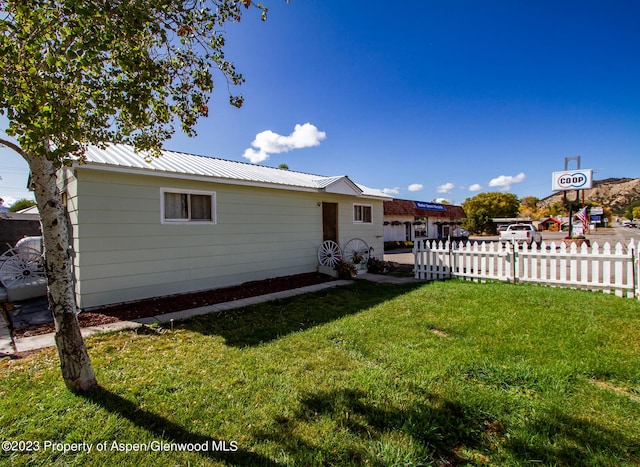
521 233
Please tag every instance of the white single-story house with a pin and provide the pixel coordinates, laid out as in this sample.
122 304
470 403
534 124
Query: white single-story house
407 220
182 223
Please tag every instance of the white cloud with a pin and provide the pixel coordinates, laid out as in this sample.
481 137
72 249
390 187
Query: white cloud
446 188
8 201
441 200
391 191
415 187
475 187
504 182
268 142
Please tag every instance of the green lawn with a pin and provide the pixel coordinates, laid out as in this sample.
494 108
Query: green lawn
444 373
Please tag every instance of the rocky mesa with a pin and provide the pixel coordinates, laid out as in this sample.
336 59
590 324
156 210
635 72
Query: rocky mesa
616 193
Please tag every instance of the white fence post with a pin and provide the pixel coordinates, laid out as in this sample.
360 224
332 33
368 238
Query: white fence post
635 254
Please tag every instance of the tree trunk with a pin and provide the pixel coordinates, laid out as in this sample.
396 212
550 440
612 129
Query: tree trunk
75 364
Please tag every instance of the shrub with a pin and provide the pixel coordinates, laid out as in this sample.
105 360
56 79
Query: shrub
345 270
398 244
376 266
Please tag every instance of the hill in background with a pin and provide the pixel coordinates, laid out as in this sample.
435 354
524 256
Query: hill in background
615 193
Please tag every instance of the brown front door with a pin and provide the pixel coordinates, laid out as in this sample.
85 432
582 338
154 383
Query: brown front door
330 222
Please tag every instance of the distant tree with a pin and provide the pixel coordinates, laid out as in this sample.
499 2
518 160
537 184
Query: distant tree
530 202
635 213
283 166
529 207
628 212
478 221
75 73
22 204
482 208
556 209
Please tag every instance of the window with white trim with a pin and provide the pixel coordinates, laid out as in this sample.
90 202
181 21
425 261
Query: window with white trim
362 214
182 206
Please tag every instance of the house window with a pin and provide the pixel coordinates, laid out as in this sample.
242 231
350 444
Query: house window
179 206
362 214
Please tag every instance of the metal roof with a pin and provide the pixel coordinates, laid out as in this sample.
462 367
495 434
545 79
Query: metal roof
121 157
20 216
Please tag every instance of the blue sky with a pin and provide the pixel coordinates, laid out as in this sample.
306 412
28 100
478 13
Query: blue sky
428 99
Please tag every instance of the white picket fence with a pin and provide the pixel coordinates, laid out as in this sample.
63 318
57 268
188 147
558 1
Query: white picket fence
606 268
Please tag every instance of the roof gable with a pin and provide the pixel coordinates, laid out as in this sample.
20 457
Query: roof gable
339 185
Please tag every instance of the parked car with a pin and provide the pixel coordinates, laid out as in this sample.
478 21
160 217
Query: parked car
521 233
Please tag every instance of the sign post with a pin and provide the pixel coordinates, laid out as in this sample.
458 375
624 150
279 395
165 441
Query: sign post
569 180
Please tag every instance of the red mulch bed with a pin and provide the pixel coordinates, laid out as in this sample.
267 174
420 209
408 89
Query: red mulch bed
160 305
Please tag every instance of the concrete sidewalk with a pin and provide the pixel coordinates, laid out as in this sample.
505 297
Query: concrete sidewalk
385 279
6 343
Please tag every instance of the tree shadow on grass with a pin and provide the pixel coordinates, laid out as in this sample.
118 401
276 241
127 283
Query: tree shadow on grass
166 430
379 433
432 430
257 324
567 440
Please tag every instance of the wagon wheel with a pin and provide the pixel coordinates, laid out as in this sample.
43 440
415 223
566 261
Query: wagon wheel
329 254
356 251
20 267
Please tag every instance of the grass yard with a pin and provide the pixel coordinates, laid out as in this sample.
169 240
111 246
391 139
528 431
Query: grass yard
446 373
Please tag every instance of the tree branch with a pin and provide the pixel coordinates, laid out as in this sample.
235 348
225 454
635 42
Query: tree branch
14 146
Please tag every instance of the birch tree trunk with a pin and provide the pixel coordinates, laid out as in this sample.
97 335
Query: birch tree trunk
75 364
131 83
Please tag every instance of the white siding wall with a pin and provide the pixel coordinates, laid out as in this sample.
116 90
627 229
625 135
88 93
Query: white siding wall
123 252
371 233
395 233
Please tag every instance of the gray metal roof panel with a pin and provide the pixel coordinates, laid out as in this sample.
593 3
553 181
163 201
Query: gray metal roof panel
171 162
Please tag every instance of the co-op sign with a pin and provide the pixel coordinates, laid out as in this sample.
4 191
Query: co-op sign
579 179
